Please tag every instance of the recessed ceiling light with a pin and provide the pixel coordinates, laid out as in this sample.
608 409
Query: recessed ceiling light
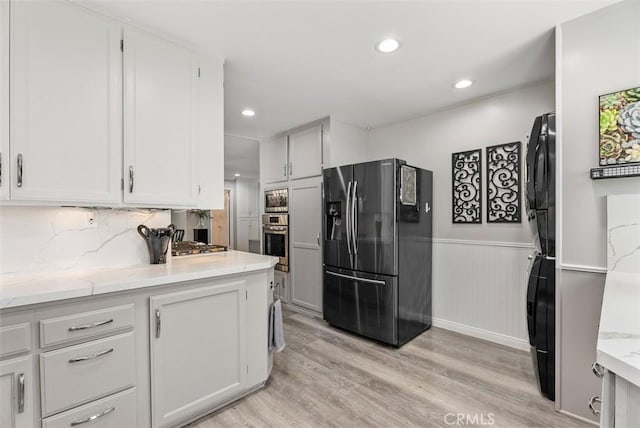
464 83
388 46
248 112
236 175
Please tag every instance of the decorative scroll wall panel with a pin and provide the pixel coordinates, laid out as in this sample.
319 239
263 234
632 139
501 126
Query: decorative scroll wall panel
504 201
466 187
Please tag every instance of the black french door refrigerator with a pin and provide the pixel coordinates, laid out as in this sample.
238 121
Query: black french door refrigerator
377 228
541 289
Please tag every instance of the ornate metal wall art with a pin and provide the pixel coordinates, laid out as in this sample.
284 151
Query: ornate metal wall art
466 173
504 198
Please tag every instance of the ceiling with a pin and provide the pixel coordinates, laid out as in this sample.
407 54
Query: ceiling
297 61
241 156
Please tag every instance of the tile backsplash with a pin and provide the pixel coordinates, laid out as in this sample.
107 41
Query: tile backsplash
40 239
623 233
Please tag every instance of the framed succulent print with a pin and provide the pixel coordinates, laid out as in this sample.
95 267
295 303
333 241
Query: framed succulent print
620 127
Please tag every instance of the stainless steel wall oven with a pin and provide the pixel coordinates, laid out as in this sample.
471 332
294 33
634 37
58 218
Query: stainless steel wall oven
275 231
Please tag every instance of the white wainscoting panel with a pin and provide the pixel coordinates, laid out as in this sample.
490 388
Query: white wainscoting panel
479 289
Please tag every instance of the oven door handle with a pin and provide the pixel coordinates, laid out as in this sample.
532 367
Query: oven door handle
275 231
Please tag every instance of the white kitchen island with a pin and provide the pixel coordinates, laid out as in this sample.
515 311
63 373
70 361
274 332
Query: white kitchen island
148 345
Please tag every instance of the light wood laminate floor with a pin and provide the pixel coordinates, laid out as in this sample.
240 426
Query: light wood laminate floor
329 378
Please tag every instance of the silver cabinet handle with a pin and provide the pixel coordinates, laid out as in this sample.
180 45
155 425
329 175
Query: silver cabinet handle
597 370
591 402
284 169
347 214
130 178
21 393
91 325
94 417
158 323
355 278
91 357
290 168
0 169
19 183
354 219
318 238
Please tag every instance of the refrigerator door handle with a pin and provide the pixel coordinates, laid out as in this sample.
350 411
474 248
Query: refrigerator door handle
348 218
354 217
355 278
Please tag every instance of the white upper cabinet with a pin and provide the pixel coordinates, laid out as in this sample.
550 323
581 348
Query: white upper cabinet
4 101
210 134
66 104
273 160
160 165
247 197
305 153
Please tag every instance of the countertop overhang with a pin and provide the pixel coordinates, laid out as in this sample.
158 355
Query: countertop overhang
618 346
17 290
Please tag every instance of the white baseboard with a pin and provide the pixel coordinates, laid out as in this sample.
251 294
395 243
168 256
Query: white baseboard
501 339
580 418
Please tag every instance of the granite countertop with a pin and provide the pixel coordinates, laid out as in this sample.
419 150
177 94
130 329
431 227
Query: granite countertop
27 289
619 336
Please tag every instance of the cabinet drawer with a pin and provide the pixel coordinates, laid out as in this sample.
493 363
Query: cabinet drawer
82 373
115 411
63 329
15 339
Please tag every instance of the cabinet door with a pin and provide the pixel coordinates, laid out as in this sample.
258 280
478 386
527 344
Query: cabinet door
4 101
242 234
160 165
246 197
280 286
16 393
306 255
305 153
273 160
210 94
66 104
198 350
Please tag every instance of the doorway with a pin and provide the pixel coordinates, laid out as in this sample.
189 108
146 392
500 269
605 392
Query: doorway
221 223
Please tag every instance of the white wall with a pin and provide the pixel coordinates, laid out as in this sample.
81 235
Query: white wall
40 239
586 69
479 271
428 142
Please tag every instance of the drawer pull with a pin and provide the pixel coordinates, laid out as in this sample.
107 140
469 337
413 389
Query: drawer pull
21 393
94 417
92 325
591 402
597 370
91 357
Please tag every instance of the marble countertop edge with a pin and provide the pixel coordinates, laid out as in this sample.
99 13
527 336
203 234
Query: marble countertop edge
44 287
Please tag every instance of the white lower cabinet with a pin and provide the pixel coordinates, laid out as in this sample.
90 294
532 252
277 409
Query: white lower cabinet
81 373
306 251
115 411
620 402
16 393
135 359
198 350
